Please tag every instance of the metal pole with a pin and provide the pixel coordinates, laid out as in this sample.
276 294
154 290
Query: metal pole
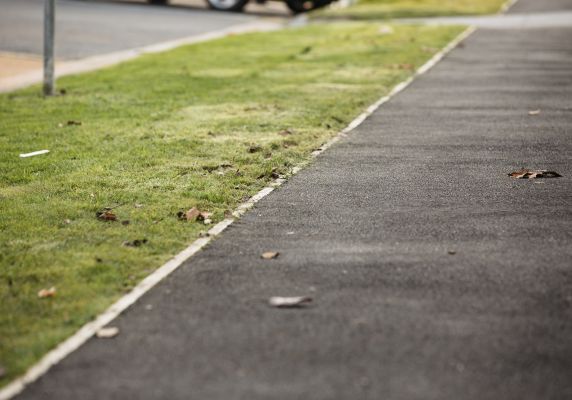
49 31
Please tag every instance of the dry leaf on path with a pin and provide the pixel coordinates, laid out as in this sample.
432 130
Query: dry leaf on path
533 174
51 292
107 333
289 302
269 255
534 112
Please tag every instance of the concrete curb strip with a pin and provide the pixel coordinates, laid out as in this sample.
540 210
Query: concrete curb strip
89 329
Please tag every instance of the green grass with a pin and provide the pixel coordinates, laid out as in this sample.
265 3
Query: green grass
380 9
158 135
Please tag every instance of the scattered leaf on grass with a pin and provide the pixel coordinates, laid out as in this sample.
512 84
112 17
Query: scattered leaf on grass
289 302
51 292
135 243
67 221
269 255
533 174
106 215
254 148
534 112
107 333
74 123
207 221
137 205
306 50
63 92
286 132
194 214
125 222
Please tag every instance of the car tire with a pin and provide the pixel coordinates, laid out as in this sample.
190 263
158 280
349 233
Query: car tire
227 5
300 6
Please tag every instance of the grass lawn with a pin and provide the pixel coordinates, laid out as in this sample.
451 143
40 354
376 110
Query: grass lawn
380 9
202 126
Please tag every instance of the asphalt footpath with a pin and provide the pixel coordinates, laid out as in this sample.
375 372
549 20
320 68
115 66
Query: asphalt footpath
434 275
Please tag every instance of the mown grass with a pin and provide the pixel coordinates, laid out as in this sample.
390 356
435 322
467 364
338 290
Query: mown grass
159 134
381 9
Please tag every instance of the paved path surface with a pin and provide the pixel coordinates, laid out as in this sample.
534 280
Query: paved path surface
555 19
91 27
373 220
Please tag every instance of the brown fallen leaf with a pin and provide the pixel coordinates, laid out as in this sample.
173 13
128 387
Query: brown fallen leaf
189 215
286 132
534 174
289 302
452 252
269 255
67 221
106 215
137 205
194 214
107 333
254 148
534 112
44 293
135 243
72 122
203 216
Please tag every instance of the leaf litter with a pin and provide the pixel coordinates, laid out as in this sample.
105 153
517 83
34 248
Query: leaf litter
194 214
45 293
289 302
270 255
107 333
525 173
106 214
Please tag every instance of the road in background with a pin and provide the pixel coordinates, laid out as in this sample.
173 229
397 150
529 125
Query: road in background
87 28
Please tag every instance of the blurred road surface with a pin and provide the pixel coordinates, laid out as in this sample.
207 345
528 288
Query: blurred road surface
91 27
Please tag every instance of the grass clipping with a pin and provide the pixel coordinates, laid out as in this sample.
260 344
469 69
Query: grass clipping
202 126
